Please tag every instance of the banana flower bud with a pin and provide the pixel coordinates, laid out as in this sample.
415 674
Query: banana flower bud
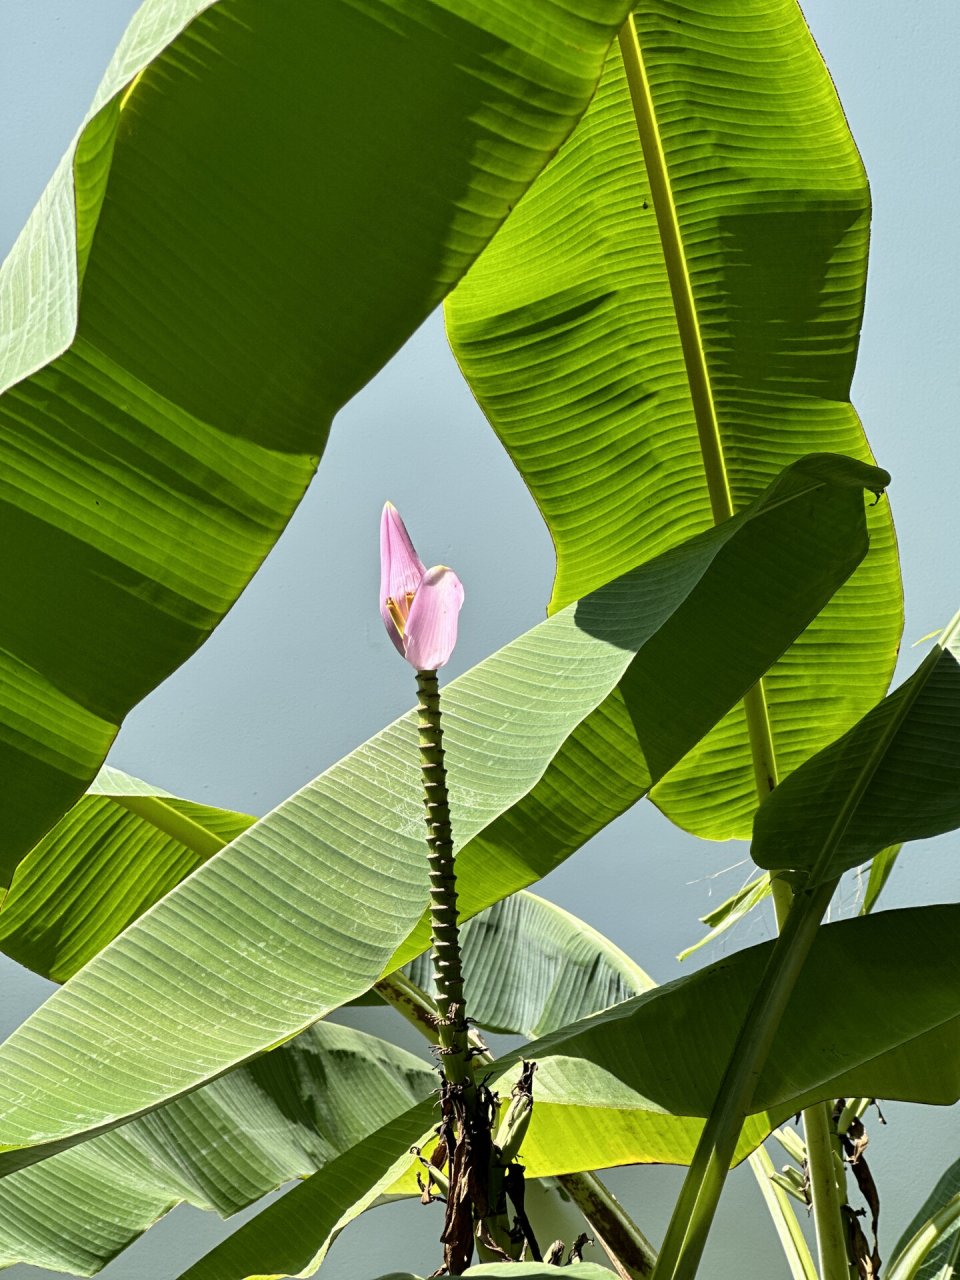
419 606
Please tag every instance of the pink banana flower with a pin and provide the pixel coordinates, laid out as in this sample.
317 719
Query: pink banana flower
419 606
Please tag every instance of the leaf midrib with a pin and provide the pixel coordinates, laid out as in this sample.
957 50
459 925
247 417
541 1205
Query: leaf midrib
759 729
171 822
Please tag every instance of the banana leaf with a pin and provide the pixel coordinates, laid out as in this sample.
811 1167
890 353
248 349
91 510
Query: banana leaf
264 202
667 319
895 776
296 1232
304 910
929 1248
530 967
296 1112
120 849
632 1083
319 1103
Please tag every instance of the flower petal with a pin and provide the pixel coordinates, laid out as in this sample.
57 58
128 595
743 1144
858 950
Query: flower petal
400 570
431 630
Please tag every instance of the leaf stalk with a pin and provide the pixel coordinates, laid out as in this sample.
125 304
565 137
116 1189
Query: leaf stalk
826 1191
694 1211
759 729
785 1220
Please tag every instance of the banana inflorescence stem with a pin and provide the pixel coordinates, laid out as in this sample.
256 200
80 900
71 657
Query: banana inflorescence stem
455 1057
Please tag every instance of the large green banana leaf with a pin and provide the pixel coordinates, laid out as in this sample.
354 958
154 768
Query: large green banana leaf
627 1084
279 1117
531 967
114 854
127 843
312 1104
633 1083
648 316
293 1110
265 202
293 1235
301 912
894 776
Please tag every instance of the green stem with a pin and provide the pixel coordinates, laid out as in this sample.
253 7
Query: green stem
448 972
854 1109
762 749
952 1262
785 1220
696 1206
625 1244
825 1191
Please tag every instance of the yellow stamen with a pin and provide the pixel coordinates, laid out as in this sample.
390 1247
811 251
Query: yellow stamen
394 611
399 612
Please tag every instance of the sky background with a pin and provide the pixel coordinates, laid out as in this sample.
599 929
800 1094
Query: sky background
301 671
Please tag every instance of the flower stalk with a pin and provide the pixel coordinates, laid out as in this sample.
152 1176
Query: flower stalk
445 934
762 747
479 1175
420 609
630 1252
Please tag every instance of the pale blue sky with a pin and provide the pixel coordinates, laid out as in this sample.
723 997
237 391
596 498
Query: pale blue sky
301 671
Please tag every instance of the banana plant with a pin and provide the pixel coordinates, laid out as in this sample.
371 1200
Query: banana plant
313 1106
655 309
272 919
662 332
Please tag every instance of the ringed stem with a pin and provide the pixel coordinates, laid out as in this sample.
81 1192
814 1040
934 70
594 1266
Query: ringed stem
624 1243
455 1059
